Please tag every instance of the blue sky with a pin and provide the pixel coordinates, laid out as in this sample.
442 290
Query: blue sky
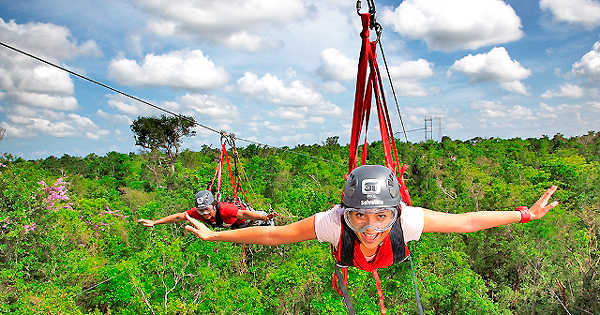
282 72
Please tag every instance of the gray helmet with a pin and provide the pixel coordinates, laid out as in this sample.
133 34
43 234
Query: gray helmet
371 186
203 199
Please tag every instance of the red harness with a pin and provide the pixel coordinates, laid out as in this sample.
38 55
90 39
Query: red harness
393 249
348 253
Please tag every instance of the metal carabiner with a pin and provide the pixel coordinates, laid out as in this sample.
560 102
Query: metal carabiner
223 136
378 29
358 7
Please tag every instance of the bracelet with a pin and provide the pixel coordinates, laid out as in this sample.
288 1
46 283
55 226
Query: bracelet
525 215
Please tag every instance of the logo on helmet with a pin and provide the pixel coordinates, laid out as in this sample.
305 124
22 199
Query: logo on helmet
371 186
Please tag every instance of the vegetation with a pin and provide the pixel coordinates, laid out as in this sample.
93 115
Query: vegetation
69 241
163 134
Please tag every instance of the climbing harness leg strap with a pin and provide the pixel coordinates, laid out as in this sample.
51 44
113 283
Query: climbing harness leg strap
342 286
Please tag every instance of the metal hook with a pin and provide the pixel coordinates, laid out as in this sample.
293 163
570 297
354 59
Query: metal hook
378 29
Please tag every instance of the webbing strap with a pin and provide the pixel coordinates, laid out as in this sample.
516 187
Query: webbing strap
369 85
217 176
416 288
379 291
342 286
233 186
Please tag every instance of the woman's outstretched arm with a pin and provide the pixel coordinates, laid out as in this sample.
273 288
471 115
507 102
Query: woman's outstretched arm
481 220
303 230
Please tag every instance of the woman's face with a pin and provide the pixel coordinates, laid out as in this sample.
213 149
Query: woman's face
369 238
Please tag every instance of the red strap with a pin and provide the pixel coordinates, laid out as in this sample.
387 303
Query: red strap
379 291
217 175
358 116
368 85
525 215
233 186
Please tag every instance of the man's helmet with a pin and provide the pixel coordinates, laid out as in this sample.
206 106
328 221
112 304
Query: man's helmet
203 199
371 186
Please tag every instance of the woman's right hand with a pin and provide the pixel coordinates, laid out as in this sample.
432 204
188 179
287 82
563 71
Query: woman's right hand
199 229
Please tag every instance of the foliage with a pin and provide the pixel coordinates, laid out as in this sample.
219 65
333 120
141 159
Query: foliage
70 243
164 134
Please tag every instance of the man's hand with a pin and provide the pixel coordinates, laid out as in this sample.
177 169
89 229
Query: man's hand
146 222
270 216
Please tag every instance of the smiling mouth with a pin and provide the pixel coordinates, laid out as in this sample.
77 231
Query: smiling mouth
370 237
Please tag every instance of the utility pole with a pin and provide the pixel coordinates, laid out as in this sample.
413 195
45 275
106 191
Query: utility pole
428 128
439 129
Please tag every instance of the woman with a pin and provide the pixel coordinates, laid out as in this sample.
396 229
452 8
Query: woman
371 227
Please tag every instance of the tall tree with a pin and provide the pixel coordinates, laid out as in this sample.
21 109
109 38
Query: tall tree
163 134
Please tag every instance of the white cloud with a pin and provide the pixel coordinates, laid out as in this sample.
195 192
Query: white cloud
412 70
407 76
566 91
249 42
134 108
97 135
115 119
410 88
26 122
37 95
209 105
273 90
64 103
495 66
459 24
337 66
47 41
516 87
589 65
182 70
223 22
584 12
39 79
497 112
333 87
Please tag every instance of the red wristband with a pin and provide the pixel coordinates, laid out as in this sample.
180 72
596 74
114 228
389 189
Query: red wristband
525 215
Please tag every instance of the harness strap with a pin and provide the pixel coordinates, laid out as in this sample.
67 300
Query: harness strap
217 176
379 291
342 287
233 186
416 288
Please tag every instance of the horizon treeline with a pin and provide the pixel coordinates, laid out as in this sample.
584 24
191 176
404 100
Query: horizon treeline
70 242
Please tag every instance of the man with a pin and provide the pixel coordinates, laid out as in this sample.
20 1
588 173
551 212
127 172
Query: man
217 214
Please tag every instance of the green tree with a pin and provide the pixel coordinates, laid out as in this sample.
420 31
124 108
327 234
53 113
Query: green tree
163 134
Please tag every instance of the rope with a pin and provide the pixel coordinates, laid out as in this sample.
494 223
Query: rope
393 90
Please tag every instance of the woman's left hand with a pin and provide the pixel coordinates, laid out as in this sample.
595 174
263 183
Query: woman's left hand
541 207
199 229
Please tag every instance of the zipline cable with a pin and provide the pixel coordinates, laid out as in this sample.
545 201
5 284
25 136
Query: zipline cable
150 104
103 85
